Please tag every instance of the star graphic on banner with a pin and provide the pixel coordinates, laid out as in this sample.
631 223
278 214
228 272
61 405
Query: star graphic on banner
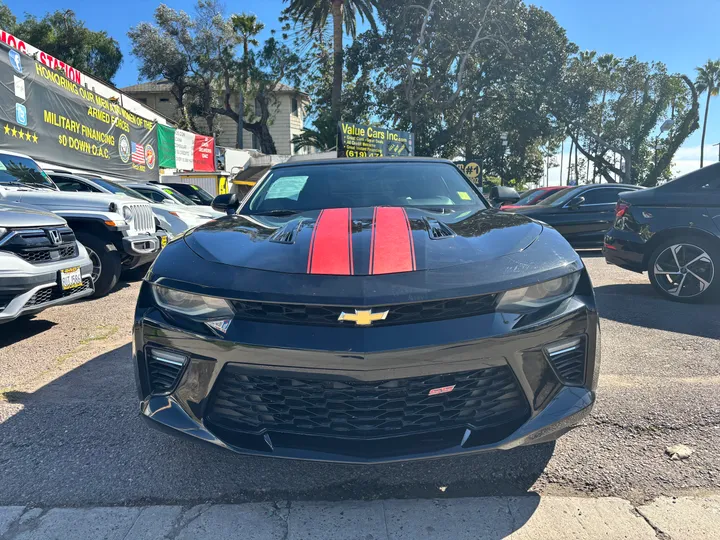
14 132
20 134
35 138
27 136
7 129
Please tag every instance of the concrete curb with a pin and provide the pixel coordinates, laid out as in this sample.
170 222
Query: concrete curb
522 518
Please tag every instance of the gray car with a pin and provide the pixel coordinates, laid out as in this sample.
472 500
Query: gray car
41 262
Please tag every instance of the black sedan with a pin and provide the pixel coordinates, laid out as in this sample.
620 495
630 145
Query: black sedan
582 214
363 311
672 232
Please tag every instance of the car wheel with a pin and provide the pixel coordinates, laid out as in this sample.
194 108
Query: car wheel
106 264
685 269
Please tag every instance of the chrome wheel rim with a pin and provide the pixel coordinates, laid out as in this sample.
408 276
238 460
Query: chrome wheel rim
684 270
97 264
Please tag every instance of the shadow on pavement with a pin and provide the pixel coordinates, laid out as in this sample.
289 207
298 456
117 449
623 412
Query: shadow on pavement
22 329
639 305
80 441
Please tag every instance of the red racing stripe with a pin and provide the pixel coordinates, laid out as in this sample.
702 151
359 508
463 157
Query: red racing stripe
331 243
391 248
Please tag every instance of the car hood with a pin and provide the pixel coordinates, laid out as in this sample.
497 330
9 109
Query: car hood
20 215
65 200
362 241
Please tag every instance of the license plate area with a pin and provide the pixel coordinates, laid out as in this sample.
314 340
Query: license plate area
70 278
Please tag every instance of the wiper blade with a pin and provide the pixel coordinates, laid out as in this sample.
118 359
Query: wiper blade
277 212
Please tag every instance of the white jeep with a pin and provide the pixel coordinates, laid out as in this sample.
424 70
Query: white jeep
119 233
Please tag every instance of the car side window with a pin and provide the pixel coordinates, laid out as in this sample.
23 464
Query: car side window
68 184
601 196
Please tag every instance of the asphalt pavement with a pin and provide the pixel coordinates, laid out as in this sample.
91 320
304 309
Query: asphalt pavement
71 436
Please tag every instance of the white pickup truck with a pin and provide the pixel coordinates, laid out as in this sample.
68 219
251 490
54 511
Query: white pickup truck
118 232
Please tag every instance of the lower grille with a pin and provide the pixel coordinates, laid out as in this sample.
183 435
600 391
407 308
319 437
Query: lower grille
50 294
348 408
568 360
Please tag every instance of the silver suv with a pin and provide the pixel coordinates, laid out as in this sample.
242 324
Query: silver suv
41 263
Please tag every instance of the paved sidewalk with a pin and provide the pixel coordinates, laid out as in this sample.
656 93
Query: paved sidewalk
527 517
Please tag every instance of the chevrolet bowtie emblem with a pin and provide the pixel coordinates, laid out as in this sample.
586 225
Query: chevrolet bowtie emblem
363 317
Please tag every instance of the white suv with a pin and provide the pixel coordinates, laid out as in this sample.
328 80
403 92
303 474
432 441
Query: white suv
118 232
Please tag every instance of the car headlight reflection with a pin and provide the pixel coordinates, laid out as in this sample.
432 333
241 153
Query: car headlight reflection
192 305
539 295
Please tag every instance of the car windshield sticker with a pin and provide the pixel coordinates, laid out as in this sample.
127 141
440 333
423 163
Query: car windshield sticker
194 187
2 166
464 195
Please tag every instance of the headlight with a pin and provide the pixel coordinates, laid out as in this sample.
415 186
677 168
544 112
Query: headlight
127 214
193 305
539 295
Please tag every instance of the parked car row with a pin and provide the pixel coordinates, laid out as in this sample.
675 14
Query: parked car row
65 236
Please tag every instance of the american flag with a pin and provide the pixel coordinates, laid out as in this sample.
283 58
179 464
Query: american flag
138 154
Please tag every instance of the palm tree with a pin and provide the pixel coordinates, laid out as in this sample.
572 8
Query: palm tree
247 28
708 80
343 12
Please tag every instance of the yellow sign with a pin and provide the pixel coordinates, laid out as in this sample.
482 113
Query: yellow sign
363 317
472 171
464 195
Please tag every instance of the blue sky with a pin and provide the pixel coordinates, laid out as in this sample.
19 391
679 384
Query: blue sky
682 34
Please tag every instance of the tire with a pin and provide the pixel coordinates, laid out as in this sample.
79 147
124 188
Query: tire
106 263
686 269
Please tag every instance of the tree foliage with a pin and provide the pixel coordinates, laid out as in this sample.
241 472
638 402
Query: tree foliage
62 35
198 55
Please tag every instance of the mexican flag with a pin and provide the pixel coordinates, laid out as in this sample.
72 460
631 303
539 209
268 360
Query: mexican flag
185 151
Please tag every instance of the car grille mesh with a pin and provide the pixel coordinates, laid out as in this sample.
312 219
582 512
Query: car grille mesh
348 408
50 294
397 314
35 246
143 220
163 373
569 362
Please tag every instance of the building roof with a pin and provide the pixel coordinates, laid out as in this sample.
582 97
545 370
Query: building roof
162 85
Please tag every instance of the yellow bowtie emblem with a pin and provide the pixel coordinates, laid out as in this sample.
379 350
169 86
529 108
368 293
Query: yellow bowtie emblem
363 317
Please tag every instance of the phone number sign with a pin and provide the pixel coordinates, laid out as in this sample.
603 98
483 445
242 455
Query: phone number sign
358 141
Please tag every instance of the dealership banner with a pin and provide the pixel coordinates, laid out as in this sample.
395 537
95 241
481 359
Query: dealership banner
472 169
53 118
355 140
185 151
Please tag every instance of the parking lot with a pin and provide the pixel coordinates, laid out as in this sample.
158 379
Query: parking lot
70 433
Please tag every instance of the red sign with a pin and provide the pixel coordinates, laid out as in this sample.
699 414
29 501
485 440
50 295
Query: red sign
204 154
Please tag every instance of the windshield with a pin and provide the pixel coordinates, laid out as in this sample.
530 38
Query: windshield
195 193
363 184
117 189
23 170
560 197
528 197
177 195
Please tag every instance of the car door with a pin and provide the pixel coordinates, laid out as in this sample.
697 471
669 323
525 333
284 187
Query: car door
587 223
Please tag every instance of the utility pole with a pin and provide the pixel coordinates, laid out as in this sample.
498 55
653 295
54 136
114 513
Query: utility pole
562 156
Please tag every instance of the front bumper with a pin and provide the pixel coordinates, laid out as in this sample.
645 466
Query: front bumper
27 288
142 249
441 349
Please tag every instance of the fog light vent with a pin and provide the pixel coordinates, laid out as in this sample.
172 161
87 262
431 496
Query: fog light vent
568 360
164 368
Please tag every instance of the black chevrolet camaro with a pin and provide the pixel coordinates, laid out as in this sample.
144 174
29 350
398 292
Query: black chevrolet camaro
365 311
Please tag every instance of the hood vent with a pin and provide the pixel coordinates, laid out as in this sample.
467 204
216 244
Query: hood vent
437 229
287 234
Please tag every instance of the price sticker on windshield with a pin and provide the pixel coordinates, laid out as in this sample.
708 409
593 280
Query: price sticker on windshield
464 195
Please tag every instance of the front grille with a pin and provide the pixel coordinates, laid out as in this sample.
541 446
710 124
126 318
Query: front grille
50 294
143 220
348 408
397 314
36 247
568 360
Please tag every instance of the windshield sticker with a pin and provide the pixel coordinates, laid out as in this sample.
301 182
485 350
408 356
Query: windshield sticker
168 191
2 166
464 196
194 187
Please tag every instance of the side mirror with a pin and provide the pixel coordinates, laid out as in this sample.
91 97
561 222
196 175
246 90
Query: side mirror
168 201
503 195
227 203
576 203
